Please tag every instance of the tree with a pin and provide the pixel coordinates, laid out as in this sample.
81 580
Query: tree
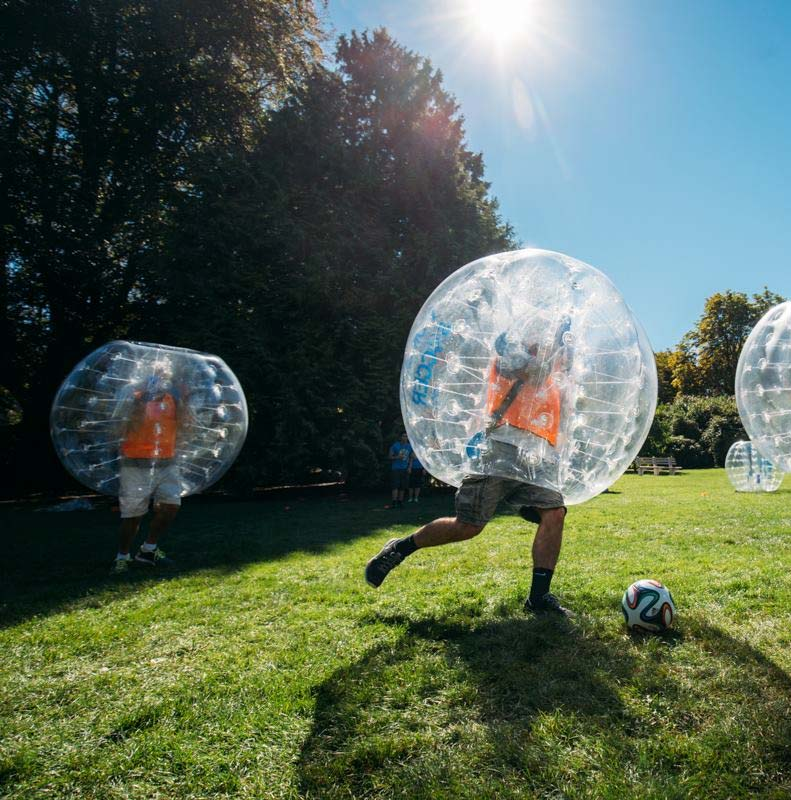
698 431
292 220
368 198
705 361
664 371
687 377
108 109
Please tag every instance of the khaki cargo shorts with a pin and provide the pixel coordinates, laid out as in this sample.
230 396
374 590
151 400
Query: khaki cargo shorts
479 495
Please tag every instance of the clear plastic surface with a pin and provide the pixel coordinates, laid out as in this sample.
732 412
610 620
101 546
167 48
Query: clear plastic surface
763 386
152 407
528 365
749 471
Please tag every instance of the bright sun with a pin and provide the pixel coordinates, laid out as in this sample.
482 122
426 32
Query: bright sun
499 21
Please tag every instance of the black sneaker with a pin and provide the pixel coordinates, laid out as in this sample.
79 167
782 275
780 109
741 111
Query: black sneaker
548 604
377 568
154 558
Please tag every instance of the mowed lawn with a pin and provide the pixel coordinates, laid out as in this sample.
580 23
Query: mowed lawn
264 667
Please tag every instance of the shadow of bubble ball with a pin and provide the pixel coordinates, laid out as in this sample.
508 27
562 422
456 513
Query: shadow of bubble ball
763 386
149 406
749 471
528 365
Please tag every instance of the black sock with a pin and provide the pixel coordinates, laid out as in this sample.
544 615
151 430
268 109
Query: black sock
406 546
542 577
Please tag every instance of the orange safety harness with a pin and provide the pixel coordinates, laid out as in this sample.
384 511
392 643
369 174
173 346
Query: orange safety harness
152 433
515 402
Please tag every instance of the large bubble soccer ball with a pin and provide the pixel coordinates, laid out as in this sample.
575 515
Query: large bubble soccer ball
763 386
648 606
528 365
749 471
149 407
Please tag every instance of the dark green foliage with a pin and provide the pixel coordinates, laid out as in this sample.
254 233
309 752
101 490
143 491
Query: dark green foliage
316 253
185 172
371 198
698 431
111 110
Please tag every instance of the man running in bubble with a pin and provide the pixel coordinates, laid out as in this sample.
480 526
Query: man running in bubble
521 398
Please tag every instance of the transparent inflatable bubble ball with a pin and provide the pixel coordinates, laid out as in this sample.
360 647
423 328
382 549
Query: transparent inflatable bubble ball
749 471
528 365
763 386
150 408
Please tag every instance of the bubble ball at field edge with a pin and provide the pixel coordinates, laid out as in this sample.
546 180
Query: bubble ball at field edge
148 404
763 386
749 471
528 365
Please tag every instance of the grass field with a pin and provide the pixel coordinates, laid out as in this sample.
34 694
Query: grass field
265 667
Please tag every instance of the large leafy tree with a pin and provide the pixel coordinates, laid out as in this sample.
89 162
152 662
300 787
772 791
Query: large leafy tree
371 197
110 111
294 227
359 197
664 372
705 360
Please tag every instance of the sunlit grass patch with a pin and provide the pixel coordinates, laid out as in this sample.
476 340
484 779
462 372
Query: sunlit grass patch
265 667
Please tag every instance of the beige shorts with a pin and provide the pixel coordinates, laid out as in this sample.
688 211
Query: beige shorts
142 479
479 495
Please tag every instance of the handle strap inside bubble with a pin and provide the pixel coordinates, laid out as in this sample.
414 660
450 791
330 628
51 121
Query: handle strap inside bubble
496 416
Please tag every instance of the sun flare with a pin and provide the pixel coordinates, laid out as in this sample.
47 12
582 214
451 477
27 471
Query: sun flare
502 22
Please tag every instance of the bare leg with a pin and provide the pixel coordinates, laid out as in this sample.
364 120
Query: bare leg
129 528
549 537
444 531
441 531
164 514
546 549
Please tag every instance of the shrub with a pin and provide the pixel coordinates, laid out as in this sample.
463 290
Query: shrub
697 431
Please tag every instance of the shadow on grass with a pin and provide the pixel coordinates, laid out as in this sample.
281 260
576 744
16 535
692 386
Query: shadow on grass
52 561
400 720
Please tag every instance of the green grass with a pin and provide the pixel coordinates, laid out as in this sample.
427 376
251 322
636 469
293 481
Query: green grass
266 668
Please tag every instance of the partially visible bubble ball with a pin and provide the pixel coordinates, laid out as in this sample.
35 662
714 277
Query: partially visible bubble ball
749 471
763 386
559 379
134 400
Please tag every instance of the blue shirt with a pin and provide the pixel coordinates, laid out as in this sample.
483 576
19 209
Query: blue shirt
401 453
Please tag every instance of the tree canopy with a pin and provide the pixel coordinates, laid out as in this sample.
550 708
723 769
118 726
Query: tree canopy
192 173
704 363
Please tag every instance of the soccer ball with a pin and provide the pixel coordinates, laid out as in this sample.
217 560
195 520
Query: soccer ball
648 606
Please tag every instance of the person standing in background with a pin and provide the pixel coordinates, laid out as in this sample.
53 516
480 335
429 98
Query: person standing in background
417 477
399 456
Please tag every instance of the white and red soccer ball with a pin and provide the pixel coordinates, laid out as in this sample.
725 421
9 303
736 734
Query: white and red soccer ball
648 606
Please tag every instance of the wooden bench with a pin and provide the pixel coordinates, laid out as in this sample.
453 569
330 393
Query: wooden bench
655 464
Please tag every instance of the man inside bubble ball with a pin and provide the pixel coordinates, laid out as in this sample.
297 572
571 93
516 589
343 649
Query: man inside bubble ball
152 418
523 403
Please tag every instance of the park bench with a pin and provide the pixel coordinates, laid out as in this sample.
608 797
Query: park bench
655 464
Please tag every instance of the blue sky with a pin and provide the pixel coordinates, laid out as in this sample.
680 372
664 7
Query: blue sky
650 139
